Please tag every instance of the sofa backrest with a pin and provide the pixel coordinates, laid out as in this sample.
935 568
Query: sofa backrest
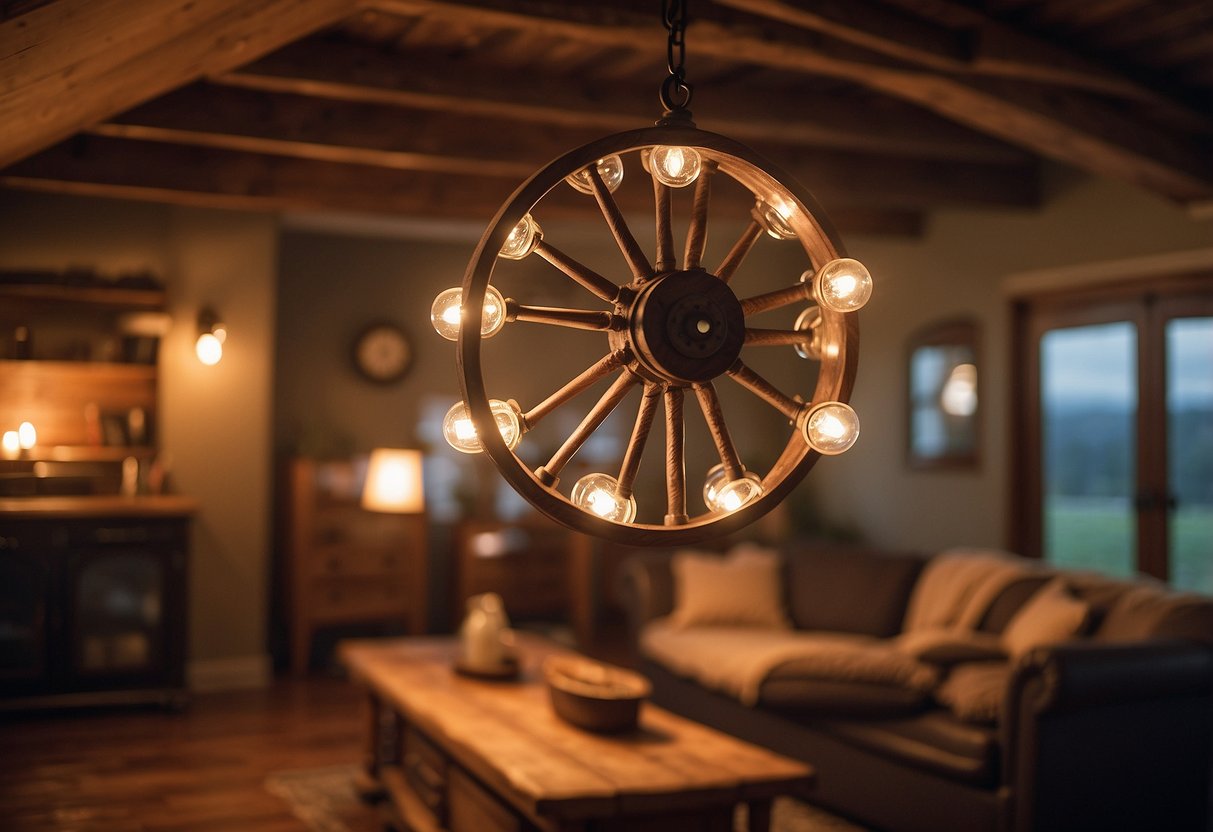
849 589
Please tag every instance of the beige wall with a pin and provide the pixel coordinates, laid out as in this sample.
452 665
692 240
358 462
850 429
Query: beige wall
214 421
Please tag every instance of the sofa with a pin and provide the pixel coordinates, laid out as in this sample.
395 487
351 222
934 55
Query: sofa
965 690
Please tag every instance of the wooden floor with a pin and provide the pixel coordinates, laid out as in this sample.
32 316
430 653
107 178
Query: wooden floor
201 769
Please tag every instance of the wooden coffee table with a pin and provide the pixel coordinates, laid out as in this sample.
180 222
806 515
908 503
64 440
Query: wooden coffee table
466 755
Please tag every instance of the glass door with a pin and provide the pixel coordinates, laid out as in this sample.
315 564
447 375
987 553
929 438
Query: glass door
1114 433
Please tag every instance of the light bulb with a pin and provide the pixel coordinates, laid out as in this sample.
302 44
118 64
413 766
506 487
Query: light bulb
600 495
774 215
522 239
809 321
11 444
831 427
676 167
842 285
609 168
723 495
460 432
209 349
27 437
447 313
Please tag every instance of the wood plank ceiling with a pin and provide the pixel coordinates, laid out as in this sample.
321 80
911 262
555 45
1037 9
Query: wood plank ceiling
886 109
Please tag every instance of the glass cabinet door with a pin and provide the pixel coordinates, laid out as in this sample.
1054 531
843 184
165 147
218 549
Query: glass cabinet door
118 600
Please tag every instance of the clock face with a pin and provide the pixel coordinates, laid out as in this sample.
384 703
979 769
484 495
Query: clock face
382 353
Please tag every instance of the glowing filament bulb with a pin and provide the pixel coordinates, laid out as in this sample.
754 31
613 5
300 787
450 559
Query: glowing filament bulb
601 495
609 168
676 167
447 313
522 239
27 437
722 495
209 349
831 427
460 431
774 216
842 285
11 444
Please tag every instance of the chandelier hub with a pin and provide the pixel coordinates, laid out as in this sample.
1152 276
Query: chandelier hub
686 326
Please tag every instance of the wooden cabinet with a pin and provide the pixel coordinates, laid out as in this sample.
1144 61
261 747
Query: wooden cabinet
93 609
345 564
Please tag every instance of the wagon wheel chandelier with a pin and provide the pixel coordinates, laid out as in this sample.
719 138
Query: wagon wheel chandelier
673 329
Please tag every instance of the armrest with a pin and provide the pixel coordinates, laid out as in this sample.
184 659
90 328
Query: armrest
1078 674
646 588
1103 735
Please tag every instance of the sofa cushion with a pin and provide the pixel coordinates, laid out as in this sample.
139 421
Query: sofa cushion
974 692
741 589
1011 600
738 660
957 587
850 590
934 740
945 647
1053 615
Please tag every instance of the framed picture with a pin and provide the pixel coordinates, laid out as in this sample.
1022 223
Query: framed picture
944 396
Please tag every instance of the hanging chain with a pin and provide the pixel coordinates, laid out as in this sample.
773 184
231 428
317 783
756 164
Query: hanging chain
675 91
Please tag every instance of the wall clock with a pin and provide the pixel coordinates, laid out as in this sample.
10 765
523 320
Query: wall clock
382 352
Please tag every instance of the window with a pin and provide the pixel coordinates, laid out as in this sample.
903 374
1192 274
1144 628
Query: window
1114 434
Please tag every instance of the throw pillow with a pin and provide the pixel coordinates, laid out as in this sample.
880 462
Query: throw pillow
736 590
1051 616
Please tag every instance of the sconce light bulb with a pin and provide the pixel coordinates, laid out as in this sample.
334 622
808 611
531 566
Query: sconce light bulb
447 313
610 169
676 167
522 239
723 495
460 432
774 216
27 437
843 285
209 348
600 494
831 427
809 321
11 444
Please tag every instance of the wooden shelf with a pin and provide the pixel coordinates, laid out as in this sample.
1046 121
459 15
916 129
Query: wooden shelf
36 365
114 297
87 453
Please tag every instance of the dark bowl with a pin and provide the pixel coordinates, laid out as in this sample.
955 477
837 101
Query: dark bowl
595 696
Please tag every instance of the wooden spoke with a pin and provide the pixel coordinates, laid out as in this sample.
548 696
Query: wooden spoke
739 251
675 461
588 278
572 318
587 378
665 232
614 394
640 435
632 252
697 233
709 403
777 337
798 293
764 390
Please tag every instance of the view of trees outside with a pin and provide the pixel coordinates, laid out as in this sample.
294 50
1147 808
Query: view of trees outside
1089 412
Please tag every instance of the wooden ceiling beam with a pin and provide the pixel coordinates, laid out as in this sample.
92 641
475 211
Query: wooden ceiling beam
70 64
353 72
209 177
1064 126
392 138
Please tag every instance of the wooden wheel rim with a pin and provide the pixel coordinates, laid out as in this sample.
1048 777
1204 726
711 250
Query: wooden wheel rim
834 382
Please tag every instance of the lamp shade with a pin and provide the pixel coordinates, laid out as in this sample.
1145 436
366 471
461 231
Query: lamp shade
393 482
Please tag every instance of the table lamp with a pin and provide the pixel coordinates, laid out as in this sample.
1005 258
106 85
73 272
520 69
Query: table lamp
393 482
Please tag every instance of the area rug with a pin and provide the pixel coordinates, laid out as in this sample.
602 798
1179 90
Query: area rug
325 801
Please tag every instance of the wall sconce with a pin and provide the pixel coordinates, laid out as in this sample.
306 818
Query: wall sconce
393 482
211 335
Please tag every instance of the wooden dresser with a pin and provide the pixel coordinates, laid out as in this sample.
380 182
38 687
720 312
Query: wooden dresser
342 563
